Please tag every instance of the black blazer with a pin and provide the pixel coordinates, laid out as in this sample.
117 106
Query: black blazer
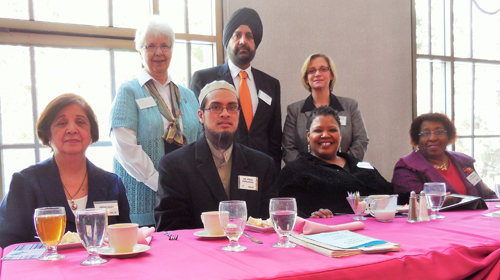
190 184
40 186
265 131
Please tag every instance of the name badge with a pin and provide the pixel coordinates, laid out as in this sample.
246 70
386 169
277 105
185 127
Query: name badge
145 102
365 165
343 120
111 206
248 183
264 97
474 178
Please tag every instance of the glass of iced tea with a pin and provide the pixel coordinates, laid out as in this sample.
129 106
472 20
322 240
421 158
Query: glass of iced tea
50 223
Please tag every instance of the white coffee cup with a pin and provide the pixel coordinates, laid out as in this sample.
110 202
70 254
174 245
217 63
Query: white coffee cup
211 223
123 237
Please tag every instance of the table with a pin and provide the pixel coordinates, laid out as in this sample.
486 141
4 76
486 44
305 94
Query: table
464 245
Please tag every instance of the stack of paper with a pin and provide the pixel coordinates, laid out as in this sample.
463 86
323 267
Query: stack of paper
343 243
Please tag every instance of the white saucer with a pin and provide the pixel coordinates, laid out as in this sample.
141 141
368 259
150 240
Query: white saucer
139 248
259 229
204 234
402 209
69 245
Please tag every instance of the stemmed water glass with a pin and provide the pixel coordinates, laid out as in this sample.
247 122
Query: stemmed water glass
436 195
358 205
50 223
91 226
233 217
283 212
496 184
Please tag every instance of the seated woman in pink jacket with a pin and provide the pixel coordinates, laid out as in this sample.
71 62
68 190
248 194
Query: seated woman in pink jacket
430 162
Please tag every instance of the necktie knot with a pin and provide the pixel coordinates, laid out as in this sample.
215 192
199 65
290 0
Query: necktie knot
243 74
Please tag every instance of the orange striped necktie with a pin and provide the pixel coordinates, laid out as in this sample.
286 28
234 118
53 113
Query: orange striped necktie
245 99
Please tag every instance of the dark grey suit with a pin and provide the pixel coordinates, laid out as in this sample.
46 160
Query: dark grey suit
40 186
265 132
354 138
190 184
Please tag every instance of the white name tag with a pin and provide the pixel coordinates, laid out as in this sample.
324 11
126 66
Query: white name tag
343 120
266 98
365 165
248 183
145 102
474 178
111 206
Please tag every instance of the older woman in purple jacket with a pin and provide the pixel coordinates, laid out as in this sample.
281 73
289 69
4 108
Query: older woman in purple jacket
430 162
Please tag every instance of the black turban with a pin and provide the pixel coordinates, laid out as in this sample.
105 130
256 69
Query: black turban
243 16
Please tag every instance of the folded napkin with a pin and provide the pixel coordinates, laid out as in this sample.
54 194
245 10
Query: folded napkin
144 235
308 227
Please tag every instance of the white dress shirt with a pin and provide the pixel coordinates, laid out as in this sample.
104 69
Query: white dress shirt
124 140
235 74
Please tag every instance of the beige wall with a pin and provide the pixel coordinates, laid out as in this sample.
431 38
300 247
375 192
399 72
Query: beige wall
370 43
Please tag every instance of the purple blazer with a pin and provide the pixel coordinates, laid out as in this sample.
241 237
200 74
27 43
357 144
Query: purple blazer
413 170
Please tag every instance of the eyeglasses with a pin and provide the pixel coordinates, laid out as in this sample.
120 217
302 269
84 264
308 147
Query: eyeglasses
219 109
427 134
152 48
322 70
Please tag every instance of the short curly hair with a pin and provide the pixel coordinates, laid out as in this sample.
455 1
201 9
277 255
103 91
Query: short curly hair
54 107
156 25
432 117
324 111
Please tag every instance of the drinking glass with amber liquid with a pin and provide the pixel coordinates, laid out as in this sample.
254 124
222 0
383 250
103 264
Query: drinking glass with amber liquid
50 223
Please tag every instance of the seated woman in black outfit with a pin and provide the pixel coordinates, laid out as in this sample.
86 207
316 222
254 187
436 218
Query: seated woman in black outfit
322 178
68 126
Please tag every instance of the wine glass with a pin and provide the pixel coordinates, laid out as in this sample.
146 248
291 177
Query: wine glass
436 195
358 206
496 184
233 217
50 223
91 226
283 212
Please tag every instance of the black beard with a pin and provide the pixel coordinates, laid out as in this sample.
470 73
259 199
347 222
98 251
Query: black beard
238 61
220 140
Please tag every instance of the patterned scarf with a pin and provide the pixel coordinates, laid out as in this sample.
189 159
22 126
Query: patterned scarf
174 133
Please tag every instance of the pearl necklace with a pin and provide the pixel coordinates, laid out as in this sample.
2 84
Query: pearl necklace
74 206
442 166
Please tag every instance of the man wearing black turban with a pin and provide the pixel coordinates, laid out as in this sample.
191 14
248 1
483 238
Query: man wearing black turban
241 37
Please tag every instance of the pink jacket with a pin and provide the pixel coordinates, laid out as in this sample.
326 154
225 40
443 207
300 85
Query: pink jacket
413 170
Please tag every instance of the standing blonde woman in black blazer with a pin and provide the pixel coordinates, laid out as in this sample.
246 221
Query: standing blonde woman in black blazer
318 76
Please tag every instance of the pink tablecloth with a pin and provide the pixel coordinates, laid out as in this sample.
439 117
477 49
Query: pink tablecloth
463 245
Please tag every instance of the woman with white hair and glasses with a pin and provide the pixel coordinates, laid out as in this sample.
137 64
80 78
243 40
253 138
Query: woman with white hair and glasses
318 76
150 116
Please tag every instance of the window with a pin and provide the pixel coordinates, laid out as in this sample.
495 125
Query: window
457 63
85 47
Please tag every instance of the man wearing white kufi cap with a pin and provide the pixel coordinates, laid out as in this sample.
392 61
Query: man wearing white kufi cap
259 93
196 177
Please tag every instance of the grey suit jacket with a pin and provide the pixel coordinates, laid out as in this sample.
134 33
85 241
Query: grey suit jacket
190 184
354 137
265 133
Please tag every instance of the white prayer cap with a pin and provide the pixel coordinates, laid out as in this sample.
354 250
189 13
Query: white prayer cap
208 88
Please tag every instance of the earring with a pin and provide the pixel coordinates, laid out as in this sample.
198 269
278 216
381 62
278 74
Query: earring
309 147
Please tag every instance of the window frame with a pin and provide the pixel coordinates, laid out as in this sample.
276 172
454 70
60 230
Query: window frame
450 58
31 33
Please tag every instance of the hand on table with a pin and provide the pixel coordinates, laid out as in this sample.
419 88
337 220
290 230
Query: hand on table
322 213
